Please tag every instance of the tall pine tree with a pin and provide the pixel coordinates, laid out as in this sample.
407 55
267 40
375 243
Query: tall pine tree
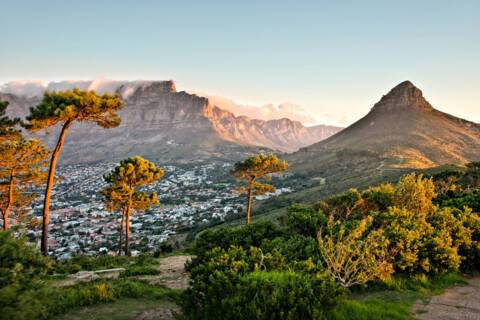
64 109
122 192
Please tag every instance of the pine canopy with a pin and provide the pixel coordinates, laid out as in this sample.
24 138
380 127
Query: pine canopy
75 105
257 167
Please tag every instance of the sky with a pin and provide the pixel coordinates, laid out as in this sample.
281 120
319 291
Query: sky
333 58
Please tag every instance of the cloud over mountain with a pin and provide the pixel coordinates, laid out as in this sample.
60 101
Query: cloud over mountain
266 112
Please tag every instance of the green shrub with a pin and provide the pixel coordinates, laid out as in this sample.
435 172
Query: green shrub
265 295
83 262
225 280
304 220
136 270
245 236
294 248
22 269
20 262
460 199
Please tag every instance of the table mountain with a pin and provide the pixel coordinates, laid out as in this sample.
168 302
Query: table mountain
160 122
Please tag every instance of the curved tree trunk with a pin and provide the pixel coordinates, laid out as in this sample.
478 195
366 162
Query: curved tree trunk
127 232
9 202
121 232
50 181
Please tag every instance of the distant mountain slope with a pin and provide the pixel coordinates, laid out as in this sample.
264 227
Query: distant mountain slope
406 130
158 121
401 133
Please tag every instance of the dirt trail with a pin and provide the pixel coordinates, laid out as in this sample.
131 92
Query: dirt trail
172 273
457 303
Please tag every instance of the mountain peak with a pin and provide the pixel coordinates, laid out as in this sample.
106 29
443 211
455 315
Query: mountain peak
406 88
404 96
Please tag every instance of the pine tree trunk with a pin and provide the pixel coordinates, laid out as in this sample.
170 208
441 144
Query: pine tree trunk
121 232
50 181
9 202
127 232
249 203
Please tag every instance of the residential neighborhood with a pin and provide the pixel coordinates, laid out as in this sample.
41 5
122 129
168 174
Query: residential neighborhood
189 195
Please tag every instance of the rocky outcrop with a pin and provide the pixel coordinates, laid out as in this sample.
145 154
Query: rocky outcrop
404 96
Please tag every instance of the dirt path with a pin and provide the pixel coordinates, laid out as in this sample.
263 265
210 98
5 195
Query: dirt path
457 303
172 273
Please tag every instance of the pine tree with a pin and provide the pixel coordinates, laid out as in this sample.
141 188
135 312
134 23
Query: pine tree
123 194
22 165
63 109
253 169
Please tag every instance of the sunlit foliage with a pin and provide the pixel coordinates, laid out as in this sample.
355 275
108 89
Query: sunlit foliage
254 169
22 165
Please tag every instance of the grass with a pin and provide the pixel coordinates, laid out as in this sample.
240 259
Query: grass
392 300
372 309
122 309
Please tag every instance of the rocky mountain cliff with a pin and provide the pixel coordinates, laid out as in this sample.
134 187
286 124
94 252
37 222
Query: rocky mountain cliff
161 122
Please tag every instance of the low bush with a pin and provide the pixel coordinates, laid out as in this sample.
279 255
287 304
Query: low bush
225 282
136 270
83 262
265 295
245 236
304 220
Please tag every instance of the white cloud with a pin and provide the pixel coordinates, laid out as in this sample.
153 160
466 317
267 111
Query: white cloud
25 88
265 112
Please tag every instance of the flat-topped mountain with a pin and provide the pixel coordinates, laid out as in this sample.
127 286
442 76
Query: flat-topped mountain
160 122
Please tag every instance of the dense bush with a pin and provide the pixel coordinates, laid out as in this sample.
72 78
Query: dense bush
248 284
282 295
304 220
245 236
293 248
20 262
22 269
459 199
423 236
163 248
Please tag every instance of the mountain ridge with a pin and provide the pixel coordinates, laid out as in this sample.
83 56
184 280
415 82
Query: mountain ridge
155 113
401 133
404 121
